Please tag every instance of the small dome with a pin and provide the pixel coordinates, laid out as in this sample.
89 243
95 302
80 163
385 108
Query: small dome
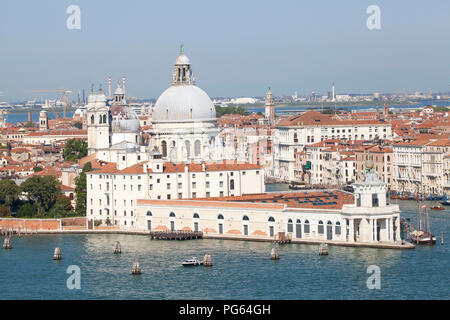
186 102
97 99
182 59
124 119
118 91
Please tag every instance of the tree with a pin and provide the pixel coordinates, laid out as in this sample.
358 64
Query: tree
62 207
37 169
42 191
4 211
81 191
9 192
28 210
75 149
28 125
220 111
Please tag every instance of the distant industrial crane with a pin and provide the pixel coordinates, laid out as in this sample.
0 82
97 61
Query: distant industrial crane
63 91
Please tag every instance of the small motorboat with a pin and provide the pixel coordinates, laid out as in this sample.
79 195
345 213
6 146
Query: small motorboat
437 208
296 185
192 262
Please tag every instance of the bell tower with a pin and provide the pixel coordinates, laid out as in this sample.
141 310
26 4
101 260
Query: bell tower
98 123
270 108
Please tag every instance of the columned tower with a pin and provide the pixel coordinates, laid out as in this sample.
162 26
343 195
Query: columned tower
98 123
270 108
182 74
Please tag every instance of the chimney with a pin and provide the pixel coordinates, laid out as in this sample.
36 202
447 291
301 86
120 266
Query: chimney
29 116
123 85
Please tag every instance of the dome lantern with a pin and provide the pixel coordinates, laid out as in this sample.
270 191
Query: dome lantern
182 73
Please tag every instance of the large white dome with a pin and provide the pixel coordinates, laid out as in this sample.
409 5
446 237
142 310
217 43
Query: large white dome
184 102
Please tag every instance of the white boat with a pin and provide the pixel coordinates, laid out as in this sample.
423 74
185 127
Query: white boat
192 262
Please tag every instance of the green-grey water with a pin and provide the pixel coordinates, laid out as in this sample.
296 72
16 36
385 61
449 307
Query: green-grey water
242 270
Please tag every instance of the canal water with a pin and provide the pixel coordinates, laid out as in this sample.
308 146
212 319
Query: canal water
242 270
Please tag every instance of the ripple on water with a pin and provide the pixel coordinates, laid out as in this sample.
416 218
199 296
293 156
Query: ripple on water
242 270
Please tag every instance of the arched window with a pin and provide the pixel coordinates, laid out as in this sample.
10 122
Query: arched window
104 118
337 228
320 227
306 226
196 216
164 148
290 226
245 218
232 184
298 221
149 213
271 219
92 119
172 215
220 217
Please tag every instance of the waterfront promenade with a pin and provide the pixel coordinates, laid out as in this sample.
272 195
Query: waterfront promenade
24 227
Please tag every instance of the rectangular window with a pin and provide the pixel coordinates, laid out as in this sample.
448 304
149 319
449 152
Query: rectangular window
374 200
151 187
139 187
194 185
207 184
168 186
180 185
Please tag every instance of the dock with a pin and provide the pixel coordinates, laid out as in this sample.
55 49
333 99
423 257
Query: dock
176 235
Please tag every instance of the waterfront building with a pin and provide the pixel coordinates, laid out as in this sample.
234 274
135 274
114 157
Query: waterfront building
50 137
434 178
408 158
296 132
334 216
112 193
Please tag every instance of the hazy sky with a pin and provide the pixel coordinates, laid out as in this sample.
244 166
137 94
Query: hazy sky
237 48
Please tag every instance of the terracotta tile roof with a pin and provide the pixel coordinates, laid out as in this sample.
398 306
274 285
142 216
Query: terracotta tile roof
48 171
314 118
332 199
209 203
66 188
58 133
87 159
440 143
